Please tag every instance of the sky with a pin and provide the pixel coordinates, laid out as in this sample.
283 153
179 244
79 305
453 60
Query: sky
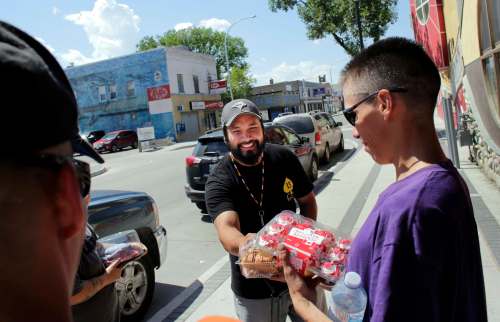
82 31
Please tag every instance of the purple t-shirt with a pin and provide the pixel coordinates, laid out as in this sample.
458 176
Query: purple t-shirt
418 251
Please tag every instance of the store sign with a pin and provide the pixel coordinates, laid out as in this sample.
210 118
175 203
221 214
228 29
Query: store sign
195 106
146 133
159 100
214 105
218 87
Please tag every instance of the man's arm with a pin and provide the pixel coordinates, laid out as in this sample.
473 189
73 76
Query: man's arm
227 225
308 206
91 287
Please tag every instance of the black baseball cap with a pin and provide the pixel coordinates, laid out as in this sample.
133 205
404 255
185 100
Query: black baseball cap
38 105
236 108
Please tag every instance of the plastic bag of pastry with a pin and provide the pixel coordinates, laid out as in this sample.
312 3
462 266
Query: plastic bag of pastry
259 262
315 249
123 246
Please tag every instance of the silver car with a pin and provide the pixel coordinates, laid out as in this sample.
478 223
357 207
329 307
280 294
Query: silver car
321 130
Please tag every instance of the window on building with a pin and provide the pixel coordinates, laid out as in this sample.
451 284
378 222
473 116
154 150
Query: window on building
180 83
131 88
196 84
112 91
422 7
102 93
489 24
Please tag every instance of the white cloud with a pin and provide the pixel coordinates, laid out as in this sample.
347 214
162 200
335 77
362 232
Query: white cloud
183 25
317 41
306 70
215 23
46 45
55 11
112 29
75 57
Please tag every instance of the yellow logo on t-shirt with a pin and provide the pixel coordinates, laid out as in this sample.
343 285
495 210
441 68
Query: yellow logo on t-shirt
288 188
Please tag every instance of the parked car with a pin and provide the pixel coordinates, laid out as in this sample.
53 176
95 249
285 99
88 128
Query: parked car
117 140
112 211
320 128
211 148
94 136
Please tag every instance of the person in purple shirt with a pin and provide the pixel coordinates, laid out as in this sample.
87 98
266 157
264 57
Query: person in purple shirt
418 251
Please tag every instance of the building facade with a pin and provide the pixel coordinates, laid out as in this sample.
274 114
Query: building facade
467 50
295 97
151 88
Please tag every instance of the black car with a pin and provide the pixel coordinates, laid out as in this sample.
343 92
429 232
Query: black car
94 136
112 211
211 149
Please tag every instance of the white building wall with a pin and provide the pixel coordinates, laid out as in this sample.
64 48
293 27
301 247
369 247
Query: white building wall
182 61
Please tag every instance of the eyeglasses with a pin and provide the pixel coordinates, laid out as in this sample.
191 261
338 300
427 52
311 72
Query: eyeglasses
82 169
349 113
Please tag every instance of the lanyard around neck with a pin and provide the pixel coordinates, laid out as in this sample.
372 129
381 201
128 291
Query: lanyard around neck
258 203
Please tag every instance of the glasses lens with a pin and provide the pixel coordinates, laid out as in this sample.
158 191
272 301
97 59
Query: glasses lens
83 174
350 116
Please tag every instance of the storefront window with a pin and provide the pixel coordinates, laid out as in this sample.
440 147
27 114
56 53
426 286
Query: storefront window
485 30
422 7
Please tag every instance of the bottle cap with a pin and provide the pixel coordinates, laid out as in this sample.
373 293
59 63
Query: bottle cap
352 280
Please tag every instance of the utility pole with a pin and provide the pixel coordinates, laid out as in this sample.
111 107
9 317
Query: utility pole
225 51
358 21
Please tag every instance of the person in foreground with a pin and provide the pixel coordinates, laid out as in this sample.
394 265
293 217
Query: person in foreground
42 225
251 185
418 251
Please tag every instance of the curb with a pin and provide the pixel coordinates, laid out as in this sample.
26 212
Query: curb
98 172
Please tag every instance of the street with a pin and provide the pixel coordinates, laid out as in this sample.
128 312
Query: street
193 246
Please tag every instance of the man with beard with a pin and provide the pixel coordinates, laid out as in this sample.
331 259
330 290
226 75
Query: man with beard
251 185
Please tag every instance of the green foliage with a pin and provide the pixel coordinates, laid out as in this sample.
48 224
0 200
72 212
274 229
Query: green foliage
241 83
338 19
205 41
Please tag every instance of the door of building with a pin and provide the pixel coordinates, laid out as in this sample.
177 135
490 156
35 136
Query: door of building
192 128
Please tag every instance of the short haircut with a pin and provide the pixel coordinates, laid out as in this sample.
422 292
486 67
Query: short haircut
396 62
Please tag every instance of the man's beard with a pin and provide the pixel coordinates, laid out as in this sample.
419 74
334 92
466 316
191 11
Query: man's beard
247 157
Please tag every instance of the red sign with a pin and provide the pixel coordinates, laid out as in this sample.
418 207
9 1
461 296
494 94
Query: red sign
158 93
214 105
218 87
429 29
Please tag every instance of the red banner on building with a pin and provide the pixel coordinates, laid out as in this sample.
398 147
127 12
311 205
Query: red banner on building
158 93
217 87
214 105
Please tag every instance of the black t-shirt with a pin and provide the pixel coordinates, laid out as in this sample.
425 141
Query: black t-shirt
284 181
103 306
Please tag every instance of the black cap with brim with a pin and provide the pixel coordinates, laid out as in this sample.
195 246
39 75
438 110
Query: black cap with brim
236 108
83 147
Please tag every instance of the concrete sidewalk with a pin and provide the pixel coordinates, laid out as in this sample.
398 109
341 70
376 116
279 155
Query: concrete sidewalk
345 204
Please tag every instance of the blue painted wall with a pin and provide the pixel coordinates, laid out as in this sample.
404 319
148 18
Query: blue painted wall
124 111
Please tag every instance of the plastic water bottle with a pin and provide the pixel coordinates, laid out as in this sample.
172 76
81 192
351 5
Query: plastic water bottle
348 300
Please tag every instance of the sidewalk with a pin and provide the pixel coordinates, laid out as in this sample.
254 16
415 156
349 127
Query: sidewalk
345 204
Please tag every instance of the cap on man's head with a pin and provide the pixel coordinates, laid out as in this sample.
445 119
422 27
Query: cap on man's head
236 108
38 104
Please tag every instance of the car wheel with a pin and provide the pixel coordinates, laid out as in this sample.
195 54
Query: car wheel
326 157
202 206
313 170
136 288
341 145
114 148
135 145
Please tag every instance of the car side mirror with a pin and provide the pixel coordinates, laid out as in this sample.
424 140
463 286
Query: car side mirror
305 139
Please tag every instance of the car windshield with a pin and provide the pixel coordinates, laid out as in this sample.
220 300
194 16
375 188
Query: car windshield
207 147
301 124
110 136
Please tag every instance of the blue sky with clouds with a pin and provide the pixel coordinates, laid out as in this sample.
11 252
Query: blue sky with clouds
88 30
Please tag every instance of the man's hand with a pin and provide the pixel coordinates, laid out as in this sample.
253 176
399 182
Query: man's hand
113 272
298 286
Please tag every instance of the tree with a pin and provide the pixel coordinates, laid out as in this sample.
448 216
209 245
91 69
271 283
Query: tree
241 83
205 41
338 19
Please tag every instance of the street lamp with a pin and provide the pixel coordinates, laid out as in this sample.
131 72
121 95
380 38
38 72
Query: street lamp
225 50
358 20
